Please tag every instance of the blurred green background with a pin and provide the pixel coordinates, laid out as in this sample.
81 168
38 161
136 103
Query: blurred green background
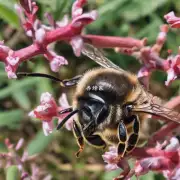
135 18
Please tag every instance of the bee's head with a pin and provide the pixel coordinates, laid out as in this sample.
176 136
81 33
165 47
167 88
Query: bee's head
94 110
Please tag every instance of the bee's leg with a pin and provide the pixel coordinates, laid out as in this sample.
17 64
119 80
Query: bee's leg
133 138
122 134
80 140
96 141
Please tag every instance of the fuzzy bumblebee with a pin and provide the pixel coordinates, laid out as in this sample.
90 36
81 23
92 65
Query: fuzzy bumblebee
111 105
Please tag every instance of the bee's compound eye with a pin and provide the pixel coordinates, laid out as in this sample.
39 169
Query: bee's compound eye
127 109
86 114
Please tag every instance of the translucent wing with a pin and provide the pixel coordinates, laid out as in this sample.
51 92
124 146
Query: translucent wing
96 55
159 111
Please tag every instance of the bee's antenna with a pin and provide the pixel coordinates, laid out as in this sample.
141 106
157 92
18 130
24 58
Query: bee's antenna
64 83
39 75
70 109
66 118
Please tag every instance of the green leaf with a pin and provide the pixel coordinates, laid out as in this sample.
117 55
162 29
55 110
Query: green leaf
110 175
24 84
7 13
11 118
39 143
12 173
46 84
137 9
110 6
150 30
21 97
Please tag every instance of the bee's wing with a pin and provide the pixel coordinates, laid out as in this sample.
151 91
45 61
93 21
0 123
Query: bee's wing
97 55
158 111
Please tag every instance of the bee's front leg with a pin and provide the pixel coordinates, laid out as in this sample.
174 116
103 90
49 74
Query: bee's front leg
122 135
78 135
133 138
96 141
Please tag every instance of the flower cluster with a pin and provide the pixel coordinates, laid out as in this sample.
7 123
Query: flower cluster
48 110
12 157
43 35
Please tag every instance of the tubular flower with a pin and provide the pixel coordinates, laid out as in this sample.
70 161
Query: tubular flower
48 110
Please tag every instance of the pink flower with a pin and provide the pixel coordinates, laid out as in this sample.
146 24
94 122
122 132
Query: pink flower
173 20
46 111
110 157
174 68
165 161
55 60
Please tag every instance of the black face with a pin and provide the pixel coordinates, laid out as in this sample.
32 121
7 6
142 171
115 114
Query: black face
94 111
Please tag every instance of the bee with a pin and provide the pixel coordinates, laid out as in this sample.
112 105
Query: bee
111 105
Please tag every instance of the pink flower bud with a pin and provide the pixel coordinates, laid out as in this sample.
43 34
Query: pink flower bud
56 62
110 157
173 20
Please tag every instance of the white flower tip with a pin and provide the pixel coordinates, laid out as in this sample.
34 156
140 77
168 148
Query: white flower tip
41 108
31 114
19 144
11 75
12 60
94 14
57 62
46 97
77 12
63 101
29 33
77 45
17 7
162 36
47 128
40 35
